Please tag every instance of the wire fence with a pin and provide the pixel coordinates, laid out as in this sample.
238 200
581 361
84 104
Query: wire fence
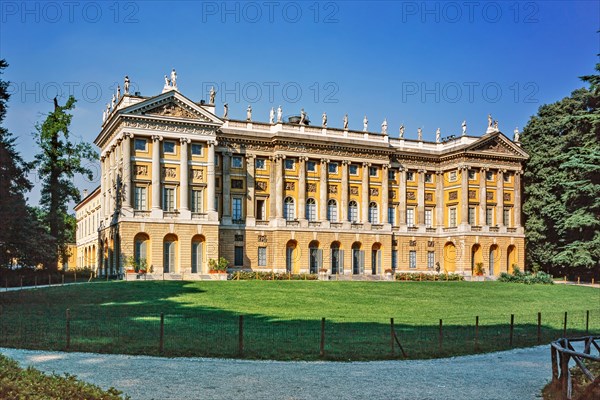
213 334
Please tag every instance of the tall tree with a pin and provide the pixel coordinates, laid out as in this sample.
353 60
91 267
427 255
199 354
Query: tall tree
59 160
562 182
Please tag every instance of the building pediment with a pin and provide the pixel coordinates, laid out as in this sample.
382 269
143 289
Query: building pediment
496 143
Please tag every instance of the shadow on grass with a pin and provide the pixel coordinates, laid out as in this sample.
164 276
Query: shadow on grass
131 325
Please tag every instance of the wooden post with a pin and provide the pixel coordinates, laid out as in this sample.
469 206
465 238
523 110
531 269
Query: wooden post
75 275
512 327
322 345
476 332
565 326
554 365
161 341
68 329
441 337
241 335
63 279
539 328
392 336
592 281
578 280
564 374
587 322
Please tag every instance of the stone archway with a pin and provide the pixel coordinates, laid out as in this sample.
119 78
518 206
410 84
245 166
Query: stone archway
449 257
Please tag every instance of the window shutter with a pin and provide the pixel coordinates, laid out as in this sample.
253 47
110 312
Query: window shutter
379 261
319 258
341 261
166 257
361 261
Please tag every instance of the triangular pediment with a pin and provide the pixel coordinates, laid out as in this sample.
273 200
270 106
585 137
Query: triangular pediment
496 143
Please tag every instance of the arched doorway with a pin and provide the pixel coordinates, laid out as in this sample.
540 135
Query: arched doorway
315 257
337 258
376 259
170 254
141 250
493 259
358 259
197 254
290 257
450 257
511 258
476 257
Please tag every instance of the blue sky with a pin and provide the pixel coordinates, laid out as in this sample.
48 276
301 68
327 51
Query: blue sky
421 64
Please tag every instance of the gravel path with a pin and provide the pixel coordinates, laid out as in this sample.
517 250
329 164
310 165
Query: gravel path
517 374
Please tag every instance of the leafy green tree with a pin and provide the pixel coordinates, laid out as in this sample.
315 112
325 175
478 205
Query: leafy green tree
59 160
562 182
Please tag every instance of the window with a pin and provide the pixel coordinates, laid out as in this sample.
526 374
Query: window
452 176
139 201
333 168
372 171
259 163
412 259
260 210
472 175
353 211
289 209
332 211
238 256
489 176
236 162
237 184
196 257
391 175
507 177
410 216
169 147
428 218
169 256
168 199
140 250
196 149
394 259
392 215
506 217
311 166
410 176
140 145
353 169
472 216
236 208
428 178
216 159
311 209
489 216
452 216
430 259
373 214
262 256
290 163
196 201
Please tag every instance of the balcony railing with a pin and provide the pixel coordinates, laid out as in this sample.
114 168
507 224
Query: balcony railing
450 229
292 223
511 230
476 228
494 229
170 214
429 229
377 227
262 223
198 215
314 224
141 213
336 225
238 221
357 225
412 228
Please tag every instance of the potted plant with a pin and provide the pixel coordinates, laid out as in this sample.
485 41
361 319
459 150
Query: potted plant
479 271
388 273
218 267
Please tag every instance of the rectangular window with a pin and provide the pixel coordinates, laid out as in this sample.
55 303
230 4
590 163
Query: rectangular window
236 162
196 201
506 217
489 216
428 218
392 215
391 175
169 147
372 171
507 177
472 175
452 176
260 163
311 166
168 199
260 210
216 159
410 216
452 216
262 256
353 169
238 257
140 145
489 176
237 184
196 149
236 208
430 259
139 202
394 259
333 168
428 178
412 259
410 176
290 163
472 216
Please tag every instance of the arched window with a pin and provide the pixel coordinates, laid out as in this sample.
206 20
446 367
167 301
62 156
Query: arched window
373 214
311 209
353 211
141 249
289 209
332 214
197 253
169 251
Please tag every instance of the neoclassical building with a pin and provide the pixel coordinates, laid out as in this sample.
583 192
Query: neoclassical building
181 186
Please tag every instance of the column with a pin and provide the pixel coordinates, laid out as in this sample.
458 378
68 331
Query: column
184 172
250 166
210 181
385 193
323 189
500 197
482 196
421 197
126 152
464 195
344 188
517 210
402 198
302 187
439 199
226 179
156 176
279 164
365 192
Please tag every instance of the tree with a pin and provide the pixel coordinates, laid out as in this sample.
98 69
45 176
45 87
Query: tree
59 160
23 239
562 182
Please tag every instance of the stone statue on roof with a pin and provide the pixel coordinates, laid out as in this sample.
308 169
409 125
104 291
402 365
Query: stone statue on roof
272 115
365 124
126 85
420 134
517 135
402 131
212 95
464 128
384 126
438 135
225 111
346 122
174 78
324 120
249 113
279 114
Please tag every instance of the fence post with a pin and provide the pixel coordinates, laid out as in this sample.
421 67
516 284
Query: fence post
75 275
241 336
539 328
49 280
322 345
441 337
161 342
554 364
63 279
564 373
392 335
565 326
476 332
512 327
68 329
587 322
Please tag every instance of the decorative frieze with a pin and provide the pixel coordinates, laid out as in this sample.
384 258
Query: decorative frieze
430 243
311 187
411 195
428 196
169 172
290 185
472 194
412 243
506 197
453 195
141 170
239 238
260 186
262 238
354 190
489 196
392 194
198 174
332 189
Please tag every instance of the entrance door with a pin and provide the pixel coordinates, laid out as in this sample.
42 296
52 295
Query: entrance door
358 261
314 260
335 260
289 259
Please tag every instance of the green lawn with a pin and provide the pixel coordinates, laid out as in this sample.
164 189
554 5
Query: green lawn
282 318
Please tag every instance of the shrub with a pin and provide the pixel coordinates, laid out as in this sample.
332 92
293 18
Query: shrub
271 276
218 266
526 277
19 383
416 276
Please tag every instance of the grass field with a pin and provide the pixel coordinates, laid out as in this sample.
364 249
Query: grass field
282 319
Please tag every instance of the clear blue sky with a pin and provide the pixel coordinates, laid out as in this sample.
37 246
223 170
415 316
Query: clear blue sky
423 64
